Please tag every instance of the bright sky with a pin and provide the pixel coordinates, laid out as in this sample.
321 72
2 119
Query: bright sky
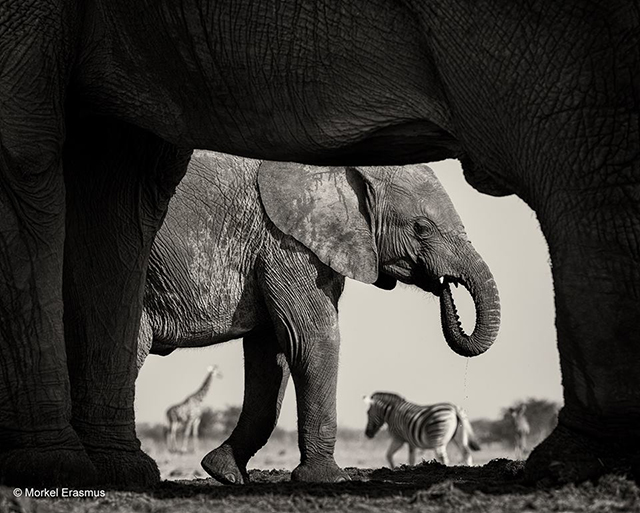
392 340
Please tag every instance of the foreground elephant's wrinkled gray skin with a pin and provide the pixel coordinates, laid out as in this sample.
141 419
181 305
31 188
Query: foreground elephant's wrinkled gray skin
246 252
102 101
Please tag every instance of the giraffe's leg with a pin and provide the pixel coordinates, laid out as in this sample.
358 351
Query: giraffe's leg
177 426
188 432
396 445
178 436
266 376
441 454
196 434
412 455
171 436
519 451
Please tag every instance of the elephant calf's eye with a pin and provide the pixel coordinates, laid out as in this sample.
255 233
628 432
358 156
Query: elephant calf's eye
423 228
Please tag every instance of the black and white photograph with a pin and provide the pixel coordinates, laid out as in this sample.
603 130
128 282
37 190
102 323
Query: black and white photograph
299 255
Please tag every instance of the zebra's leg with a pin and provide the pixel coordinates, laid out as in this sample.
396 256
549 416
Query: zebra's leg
463 447
461 439
396 445
265 381
441 454
412 455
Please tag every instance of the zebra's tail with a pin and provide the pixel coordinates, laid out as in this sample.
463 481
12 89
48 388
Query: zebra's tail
467 431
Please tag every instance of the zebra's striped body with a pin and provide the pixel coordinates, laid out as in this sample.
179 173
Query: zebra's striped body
422 427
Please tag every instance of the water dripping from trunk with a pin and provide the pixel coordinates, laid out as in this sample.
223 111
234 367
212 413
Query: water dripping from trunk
464 385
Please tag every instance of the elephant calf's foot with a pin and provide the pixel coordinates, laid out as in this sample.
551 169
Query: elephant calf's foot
125 469
47 468
569 456
222 465
319 471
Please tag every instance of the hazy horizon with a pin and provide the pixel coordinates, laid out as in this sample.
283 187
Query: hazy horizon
392 340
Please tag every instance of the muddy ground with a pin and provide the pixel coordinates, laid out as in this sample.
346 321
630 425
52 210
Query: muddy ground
428 487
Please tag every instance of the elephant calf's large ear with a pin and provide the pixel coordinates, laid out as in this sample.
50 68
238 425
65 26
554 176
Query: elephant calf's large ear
324 208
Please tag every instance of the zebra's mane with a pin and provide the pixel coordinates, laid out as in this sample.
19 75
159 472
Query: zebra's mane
387 398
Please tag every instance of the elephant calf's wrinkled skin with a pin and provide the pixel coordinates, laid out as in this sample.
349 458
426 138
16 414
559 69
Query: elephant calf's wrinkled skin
245 252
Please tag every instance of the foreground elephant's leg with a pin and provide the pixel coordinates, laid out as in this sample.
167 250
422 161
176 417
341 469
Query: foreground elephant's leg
119 180
265 380
38 447
596 269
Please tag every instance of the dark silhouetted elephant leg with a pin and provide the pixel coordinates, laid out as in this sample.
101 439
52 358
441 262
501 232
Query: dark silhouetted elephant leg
38 447
266 375
596 269
565 456
119 180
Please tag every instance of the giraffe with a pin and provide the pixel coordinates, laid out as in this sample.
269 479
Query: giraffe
521 430
187 414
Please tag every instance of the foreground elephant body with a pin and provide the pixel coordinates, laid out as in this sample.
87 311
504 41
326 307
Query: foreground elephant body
101 103
246 253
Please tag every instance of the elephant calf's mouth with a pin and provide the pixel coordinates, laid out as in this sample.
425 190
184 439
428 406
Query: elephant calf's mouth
451 309
438 285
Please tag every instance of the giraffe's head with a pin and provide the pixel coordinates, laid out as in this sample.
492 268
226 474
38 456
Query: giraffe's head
214 371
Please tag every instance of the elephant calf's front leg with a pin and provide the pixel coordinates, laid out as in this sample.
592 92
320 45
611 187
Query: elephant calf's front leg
313 358
302 296
315 370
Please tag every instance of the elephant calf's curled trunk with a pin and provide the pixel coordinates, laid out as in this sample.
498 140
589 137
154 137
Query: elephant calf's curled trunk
484 292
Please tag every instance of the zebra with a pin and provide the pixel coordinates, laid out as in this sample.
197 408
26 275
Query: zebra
422 427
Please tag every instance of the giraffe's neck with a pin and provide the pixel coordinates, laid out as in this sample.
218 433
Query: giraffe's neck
199 394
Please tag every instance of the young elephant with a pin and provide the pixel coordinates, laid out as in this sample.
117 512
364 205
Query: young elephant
247 252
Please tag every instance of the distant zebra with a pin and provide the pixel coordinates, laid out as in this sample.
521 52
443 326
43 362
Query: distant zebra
422 427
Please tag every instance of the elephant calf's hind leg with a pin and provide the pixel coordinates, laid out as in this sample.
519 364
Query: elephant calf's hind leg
266 375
